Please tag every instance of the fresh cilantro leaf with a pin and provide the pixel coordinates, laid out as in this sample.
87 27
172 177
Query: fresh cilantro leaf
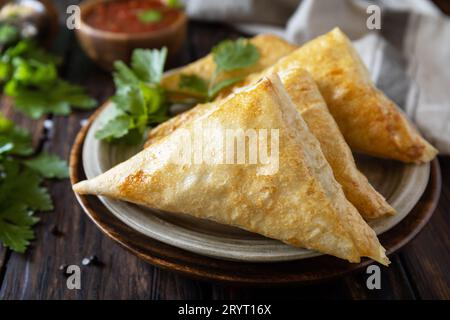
154 98
34 104
139 101
198 86
124 76
48 166
31 78
150 16
30 192
133 137
131 101
56 99
194 84
73 95
228 56
8 34
22 185
33 72
219 86
174 3
28 49
14 236
21 190
5 71
114 129
231 55
13 139
18 214
148 65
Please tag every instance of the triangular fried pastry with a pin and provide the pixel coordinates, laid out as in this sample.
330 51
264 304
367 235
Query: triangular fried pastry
297 201
370 121
309 102
307 99
270 47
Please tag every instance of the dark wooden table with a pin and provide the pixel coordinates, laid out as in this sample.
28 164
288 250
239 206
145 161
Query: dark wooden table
419 271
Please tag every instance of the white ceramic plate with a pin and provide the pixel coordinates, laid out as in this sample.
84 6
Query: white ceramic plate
401 184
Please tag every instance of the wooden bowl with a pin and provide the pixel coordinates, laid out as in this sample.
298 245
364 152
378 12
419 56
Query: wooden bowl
105 47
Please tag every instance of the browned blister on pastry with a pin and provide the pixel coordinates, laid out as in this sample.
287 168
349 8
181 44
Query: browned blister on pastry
297 201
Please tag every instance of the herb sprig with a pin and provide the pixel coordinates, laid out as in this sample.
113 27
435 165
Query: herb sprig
139 100
29 75
21 189
228 56
150 16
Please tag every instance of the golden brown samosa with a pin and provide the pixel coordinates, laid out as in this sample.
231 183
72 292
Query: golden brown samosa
309 102
370 121
300 203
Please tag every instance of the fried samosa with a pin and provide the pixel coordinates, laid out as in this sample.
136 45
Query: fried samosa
309 102
370 121
299 203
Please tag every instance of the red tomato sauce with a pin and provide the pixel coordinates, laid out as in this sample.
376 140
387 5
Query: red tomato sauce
124 16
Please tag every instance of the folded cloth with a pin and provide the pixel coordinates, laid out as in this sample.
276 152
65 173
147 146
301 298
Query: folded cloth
407 56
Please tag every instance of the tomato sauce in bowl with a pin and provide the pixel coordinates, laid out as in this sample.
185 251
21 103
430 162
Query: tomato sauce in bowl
131 16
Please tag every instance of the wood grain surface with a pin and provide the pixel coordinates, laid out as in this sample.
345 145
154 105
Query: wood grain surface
418 271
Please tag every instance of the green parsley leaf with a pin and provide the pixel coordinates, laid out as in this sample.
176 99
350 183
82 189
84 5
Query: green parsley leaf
150 16
8 34
228 56
115 128
15 227
198 86
231 55
48 166
33 72
139 101
21 190
22 185
28 49
124 76
18 214
14 140
154 98
219 86
194 83
57 98
148 65
73 95
174 3
31 78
